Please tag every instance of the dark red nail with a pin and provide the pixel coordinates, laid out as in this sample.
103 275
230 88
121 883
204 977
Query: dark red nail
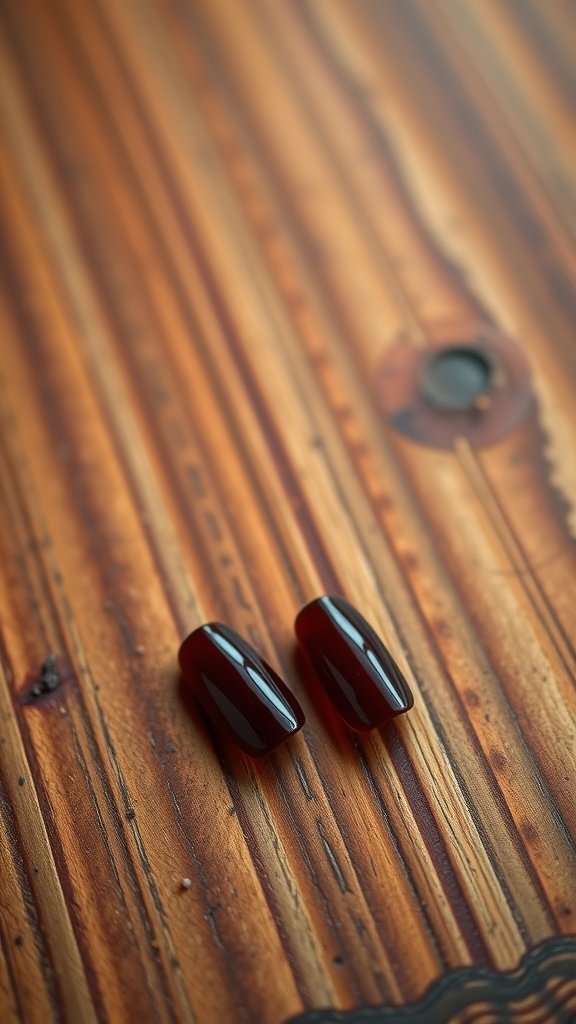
240 693
358 673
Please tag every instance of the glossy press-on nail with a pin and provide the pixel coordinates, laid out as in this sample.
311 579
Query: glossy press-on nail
356 670
242 695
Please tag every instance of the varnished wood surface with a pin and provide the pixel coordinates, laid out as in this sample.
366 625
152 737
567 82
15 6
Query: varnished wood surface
218 221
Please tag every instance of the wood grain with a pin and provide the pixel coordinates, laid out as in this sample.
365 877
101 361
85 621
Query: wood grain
218 221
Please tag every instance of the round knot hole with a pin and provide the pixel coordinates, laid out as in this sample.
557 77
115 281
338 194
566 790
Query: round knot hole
458 379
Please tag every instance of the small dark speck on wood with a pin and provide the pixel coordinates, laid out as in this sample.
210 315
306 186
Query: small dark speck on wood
46 682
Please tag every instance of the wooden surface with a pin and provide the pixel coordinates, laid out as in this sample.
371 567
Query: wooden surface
219 218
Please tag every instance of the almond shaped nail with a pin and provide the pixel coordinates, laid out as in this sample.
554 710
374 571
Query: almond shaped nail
356 670
242 695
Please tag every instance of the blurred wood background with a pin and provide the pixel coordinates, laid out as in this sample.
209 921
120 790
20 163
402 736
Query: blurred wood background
219 220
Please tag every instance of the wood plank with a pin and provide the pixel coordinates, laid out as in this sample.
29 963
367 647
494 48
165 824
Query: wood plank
224 226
